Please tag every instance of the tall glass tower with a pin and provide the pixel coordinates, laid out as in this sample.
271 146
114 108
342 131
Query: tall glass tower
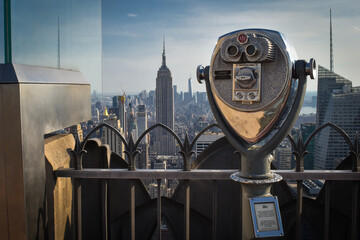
338 102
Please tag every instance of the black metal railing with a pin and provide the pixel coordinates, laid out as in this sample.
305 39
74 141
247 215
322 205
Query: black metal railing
187 174
300 151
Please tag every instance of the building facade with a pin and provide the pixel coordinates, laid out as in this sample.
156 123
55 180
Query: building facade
205 140
143 157
131 123
189 95
122 111
338 103
110 138
306 130
328 82
282 157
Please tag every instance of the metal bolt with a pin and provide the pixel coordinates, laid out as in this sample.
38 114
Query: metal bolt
200 73
311 69
252 95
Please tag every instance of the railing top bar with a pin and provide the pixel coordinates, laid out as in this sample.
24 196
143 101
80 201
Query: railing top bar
340 175
203 174
145 174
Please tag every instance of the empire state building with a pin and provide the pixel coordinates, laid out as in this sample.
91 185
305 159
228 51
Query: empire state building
164 141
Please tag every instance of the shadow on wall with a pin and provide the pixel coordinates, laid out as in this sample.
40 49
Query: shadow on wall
58 190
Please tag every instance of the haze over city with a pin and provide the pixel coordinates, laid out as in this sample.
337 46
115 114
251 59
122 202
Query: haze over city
133 33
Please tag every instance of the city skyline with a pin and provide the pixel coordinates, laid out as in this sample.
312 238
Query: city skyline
132 34
77 165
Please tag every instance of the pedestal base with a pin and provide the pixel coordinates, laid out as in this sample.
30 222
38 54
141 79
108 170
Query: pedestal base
252 188
236 177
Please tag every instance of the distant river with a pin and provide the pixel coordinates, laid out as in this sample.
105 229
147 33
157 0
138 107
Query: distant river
307 110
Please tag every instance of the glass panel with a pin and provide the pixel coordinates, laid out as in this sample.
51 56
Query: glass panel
2 47
60 34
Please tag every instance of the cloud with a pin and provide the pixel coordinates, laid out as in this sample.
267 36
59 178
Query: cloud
121 32
189 44
356 28
132 15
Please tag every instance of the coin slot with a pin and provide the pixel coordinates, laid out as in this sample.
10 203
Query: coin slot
222 74
222 77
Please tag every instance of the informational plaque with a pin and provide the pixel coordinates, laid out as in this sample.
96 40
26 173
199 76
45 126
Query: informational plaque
266 217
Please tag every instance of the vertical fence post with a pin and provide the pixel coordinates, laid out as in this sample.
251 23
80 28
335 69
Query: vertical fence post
355 190
327 210
103 184
132 209
214 212
299 204
159 208
187 210
108 214
355 211
299 153
77 156
186 152
77 201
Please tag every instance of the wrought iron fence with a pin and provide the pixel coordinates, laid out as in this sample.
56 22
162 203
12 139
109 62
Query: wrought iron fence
187 174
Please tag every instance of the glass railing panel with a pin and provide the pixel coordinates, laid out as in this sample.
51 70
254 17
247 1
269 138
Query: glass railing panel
62 34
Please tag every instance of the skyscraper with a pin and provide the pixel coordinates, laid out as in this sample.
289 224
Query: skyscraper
164 142
282 157
122 111
190 93
110 138
143 158
189 84
339 103
115 100
328 82
131 123
331 46
141 116
188 96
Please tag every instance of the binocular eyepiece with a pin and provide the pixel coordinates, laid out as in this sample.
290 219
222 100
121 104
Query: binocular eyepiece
251 77
248 48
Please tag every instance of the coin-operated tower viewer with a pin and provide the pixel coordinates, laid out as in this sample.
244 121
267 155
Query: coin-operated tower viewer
256 87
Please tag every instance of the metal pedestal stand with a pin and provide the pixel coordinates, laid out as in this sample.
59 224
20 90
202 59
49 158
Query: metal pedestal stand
252 188
256 180
255 98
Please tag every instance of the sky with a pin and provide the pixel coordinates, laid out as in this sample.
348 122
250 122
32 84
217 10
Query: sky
133 34
53 33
